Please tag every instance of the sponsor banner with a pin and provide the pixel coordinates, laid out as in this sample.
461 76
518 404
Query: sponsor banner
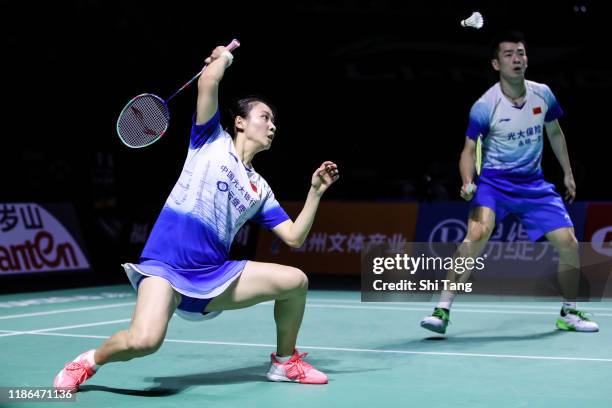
340 232
34 238
447 222
442 222
598 229
578 212
420 270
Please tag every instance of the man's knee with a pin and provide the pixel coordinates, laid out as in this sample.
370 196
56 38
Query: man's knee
479 231
567 245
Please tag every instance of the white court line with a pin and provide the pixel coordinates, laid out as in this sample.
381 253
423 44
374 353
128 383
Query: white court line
428 309
78 309
310 304
17 333
360 350
372 305
584 305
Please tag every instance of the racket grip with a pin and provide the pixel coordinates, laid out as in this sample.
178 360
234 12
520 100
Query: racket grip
233 45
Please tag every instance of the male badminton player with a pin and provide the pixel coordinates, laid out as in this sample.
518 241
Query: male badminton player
511 117
184 266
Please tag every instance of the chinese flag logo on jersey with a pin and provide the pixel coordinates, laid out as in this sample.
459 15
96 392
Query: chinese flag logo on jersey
537 110
254 187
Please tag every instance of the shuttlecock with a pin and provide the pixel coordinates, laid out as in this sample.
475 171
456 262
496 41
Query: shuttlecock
475 21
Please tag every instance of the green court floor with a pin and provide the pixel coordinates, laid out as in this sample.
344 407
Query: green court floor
376 355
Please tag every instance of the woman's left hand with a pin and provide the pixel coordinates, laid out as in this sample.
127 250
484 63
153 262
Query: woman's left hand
324 177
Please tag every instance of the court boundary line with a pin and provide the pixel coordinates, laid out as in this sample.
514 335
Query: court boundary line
461 304
310 304
18 332
77 309
428 309
356 350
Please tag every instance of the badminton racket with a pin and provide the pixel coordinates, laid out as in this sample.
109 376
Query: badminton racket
145 118
478 161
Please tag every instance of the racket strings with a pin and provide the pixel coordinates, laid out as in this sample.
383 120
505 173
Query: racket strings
143 121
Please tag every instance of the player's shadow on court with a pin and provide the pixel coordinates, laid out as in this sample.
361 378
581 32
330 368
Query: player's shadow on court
467 337
458 338
171 385
149 392
234 376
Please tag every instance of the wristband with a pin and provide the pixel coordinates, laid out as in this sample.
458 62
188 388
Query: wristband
229 56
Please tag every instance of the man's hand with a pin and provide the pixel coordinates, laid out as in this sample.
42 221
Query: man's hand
467 191
570 184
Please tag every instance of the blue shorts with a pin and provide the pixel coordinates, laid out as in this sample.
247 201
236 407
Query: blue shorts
196 286
530 198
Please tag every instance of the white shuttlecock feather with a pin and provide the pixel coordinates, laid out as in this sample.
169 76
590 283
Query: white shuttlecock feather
475 21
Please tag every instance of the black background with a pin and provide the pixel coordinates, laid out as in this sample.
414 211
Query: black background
383 88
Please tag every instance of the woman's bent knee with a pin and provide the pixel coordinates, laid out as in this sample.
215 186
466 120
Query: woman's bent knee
143 344
302 280
294 281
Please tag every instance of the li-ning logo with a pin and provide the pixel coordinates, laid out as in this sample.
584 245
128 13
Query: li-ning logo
504 120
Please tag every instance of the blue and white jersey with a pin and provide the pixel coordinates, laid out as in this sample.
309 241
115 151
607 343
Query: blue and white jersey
213 197
513 137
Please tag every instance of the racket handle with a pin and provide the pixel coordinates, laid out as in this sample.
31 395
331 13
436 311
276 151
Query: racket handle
231 46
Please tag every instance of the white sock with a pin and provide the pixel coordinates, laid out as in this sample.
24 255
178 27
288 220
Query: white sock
447 297
569 305
446 300
89 357
283 359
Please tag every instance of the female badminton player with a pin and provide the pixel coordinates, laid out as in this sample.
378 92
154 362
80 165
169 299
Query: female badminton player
184 267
